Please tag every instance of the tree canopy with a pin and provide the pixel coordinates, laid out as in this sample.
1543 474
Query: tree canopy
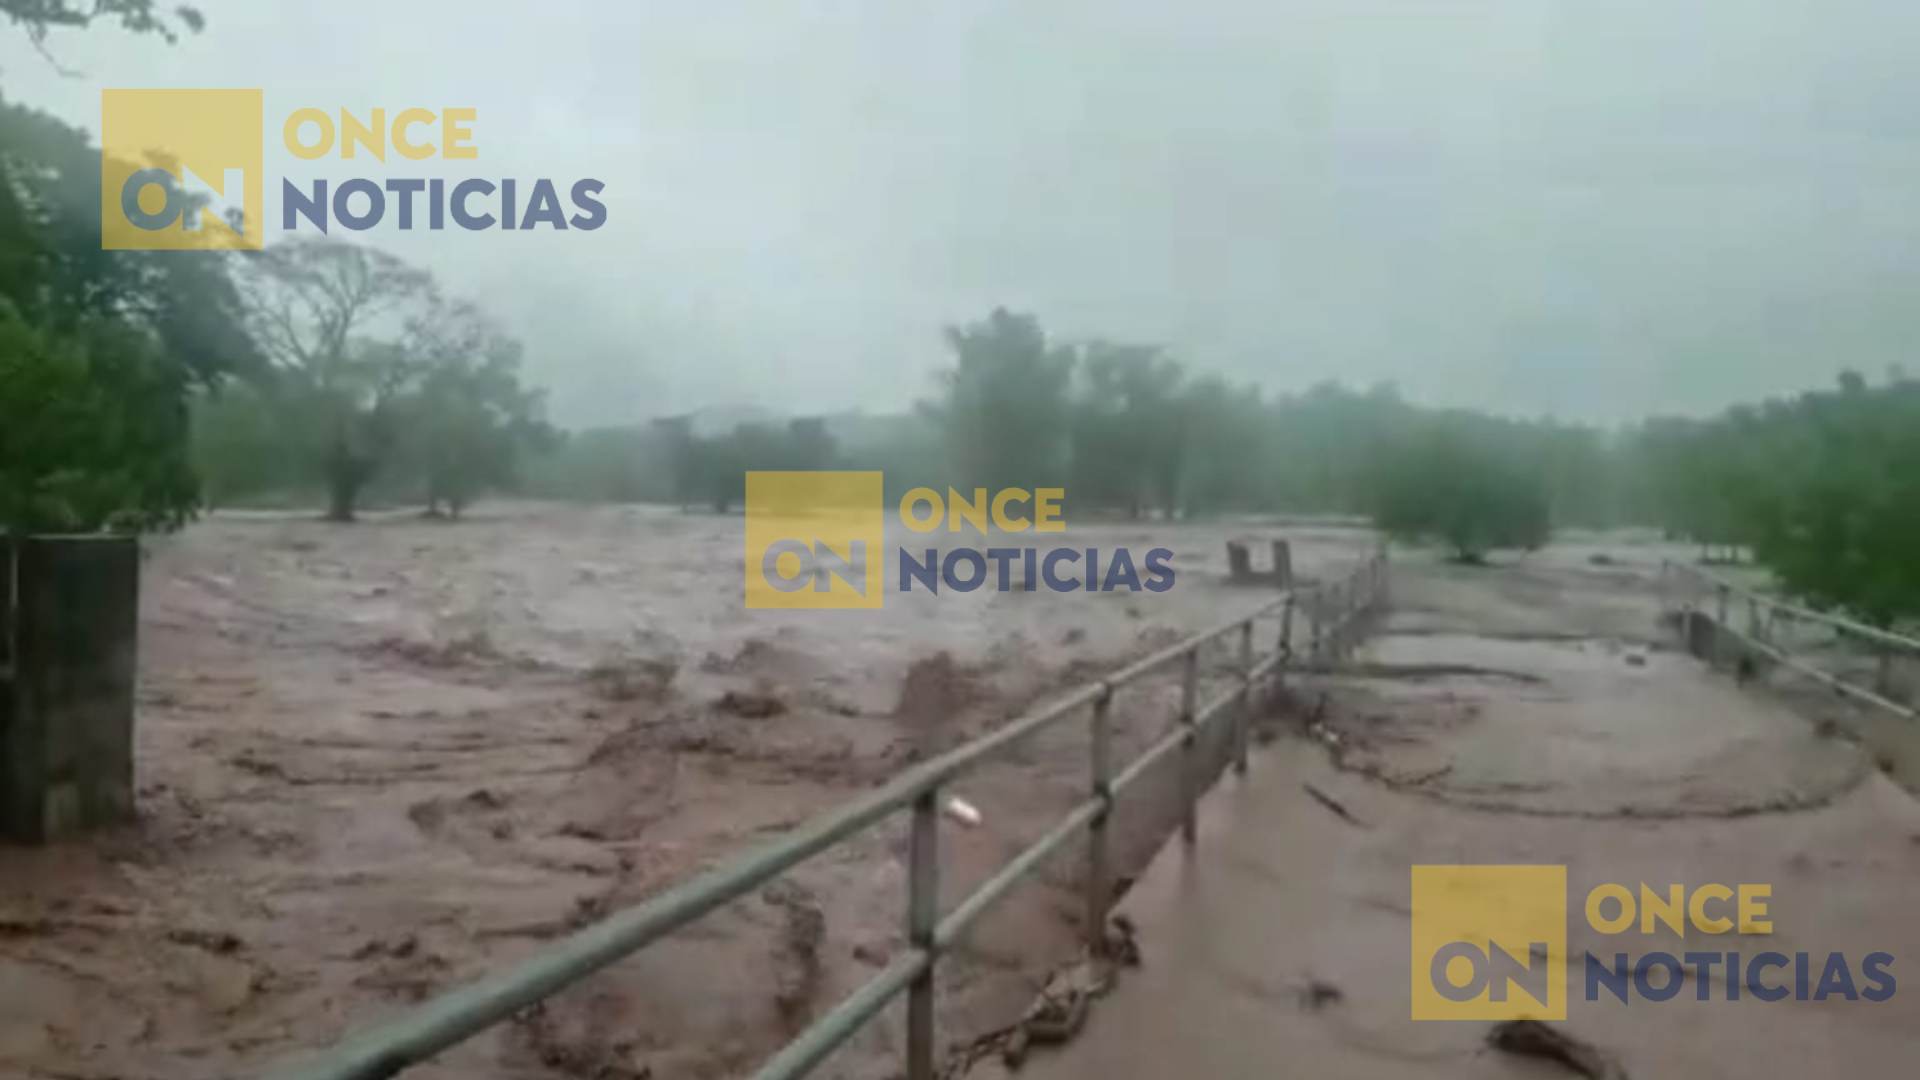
40 17
1824 488
1457 481
102 349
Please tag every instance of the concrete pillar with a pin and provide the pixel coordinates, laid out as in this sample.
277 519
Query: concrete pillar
6 609
1239 565
66 730
1283 564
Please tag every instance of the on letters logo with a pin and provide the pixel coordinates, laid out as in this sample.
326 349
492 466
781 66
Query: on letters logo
170 160
814 539
1489 942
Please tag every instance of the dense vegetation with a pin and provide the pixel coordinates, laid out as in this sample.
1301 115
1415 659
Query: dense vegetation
136 387
99 350
1824 488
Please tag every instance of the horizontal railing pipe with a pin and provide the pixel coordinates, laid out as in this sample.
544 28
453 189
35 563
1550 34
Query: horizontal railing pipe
1772 650
997 886
825 1035
1162 747
1786 659
461 1013
1838 622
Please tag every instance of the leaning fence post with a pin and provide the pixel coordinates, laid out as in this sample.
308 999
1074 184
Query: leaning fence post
1242 728
923 908
1099 846
1189 747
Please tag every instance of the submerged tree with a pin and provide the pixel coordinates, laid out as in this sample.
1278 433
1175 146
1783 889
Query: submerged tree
338 321
1457 486
1004 406
1129 428
1826 490
470 418
712 469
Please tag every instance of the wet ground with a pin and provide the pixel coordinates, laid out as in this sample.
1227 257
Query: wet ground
377 760
1533 713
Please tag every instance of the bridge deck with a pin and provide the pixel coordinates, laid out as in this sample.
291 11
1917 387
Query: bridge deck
1286 896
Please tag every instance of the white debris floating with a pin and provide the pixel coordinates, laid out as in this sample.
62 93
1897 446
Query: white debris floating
963 812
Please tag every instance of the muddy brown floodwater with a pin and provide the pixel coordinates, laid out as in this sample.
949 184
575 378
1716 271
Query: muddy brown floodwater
377 760
1533 712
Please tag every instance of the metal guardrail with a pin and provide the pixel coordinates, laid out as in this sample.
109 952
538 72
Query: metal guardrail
1761 636
1332 613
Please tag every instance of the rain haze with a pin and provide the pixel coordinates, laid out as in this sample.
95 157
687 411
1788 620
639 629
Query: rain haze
1594 211
959 541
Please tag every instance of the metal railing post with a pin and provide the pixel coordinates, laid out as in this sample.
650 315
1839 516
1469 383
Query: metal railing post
1314 611
1243 724
1099 845
1190 746
1285 644
1330 632
1720 628
923 914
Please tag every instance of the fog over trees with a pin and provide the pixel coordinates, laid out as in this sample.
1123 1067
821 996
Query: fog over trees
139 388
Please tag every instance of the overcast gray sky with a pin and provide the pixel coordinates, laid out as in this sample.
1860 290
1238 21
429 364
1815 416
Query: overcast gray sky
1590 208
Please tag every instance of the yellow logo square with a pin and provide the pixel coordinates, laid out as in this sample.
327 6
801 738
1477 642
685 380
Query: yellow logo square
814 539
166 154
1489 942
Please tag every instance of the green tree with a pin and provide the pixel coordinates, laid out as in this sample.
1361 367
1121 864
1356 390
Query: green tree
717 465
342 324
1004 407
1454 484
1323 447
1129 428
39 17
93 430
1223 434
240 448
470 418
102 349
1830 495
